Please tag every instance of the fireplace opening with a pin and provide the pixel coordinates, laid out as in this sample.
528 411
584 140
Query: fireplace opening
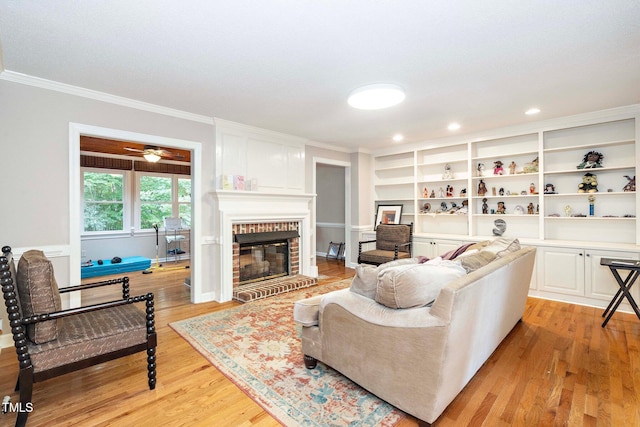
263 261
265 255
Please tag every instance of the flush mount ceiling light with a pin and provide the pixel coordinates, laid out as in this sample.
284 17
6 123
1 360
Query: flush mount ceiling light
398 137
376 96
454 126
532 111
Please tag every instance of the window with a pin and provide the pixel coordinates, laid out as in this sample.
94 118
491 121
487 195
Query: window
162 196
104 200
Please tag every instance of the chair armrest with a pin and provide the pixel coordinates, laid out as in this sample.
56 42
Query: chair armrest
362 242
367 241
124 280
398 246
36 318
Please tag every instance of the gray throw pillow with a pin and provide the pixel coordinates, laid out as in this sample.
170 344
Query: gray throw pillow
366 278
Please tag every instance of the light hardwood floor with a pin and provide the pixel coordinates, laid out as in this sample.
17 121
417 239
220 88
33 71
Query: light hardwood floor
558 367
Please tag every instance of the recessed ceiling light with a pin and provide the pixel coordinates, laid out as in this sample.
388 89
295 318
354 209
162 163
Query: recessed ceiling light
454 126
398 137
376 96
532 111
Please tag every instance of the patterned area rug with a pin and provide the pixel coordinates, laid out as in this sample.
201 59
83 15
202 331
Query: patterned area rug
257 346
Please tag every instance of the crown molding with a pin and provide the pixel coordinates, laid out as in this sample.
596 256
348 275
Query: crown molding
12 76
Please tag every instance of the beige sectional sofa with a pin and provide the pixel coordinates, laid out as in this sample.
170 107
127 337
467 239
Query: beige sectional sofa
417 359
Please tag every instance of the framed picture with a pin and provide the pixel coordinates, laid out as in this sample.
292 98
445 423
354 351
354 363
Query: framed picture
388 214
334 250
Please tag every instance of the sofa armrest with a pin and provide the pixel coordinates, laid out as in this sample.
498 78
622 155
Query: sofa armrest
374 313
305 311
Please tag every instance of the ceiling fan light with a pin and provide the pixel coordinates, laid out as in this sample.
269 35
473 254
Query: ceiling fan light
151 157
376 96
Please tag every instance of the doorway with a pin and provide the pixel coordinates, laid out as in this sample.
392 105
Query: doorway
332 186
75 200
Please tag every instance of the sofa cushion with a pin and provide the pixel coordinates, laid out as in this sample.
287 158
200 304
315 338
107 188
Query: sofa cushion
366 278
407 286
476 260
38 294
502 246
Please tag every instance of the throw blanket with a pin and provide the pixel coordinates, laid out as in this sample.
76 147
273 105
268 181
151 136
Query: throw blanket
448 255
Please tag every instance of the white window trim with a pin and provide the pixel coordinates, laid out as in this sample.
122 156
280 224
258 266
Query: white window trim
175 204
126 200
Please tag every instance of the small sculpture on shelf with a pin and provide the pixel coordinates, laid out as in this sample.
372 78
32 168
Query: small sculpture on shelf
501 227
567 211
530 208
440 192
448 173
482 188
443 207
532 188
512 168
501 191
433 194
485 206
497 168
501 208
589 183
591 160
549 189
463 192
425 193
592 202
631 185
449 191
480 169
531 167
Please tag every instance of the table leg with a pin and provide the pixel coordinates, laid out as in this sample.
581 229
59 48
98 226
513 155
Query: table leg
625 287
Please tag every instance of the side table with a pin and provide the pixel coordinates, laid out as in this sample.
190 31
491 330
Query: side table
616 265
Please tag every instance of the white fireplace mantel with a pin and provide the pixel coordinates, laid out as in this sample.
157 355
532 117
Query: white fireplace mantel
238 207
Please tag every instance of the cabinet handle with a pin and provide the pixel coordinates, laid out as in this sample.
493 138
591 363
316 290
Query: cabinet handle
588 254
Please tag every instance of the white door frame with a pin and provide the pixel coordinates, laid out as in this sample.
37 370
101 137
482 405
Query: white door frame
347 203
75 223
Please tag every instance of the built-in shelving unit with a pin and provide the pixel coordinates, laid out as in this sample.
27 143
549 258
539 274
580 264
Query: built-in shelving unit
570 238
432 183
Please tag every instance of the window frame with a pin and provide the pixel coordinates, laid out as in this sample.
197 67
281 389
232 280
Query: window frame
126 200
175 203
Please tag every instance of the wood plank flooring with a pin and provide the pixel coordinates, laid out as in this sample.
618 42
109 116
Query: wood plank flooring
558 367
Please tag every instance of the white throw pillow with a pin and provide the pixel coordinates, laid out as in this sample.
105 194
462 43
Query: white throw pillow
415 285
502 246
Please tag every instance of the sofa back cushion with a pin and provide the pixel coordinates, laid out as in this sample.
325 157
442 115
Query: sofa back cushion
476 260
39 294
415 285
366 279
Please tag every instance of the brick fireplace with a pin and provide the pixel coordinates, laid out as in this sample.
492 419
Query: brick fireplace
241 212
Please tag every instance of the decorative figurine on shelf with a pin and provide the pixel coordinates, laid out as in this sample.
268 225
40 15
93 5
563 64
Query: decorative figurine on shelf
425 193
485 207
482 188
464 209
501 191
433 194
497 168
530 208
567 210
463 192
426 207
448 174
591 160
440 192
631 185
449 191
443 206
480 169
592 201
531 167
512 168
518 210
549 189
501 227
501 208
589 183
532 188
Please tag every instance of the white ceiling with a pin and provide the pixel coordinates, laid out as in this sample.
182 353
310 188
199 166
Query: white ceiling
288 66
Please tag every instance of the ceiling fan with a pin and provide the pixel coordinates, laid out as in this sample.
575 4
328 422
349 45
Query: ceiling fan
152 154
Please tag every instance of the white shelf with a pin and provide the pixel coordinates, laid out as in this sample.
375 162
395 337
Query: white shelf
594 170
588 146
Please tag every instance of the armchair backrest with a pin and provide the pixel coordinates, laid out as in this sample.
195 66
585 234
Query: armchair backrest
390 235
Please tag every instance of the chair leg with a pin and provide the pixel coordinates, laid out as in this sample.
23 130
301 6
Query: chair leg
17 384
25 381
151 367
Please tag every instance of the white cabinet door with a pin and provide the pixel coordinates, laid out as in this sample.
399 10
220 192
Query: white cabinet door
600 283
422 247
432 248
562 270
